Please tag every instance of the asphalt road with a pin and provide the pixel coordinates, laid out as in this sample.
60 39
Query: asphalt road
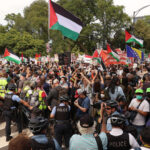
14 133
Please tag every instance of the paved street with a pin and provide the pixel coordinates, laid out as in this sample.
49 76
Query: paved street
3 143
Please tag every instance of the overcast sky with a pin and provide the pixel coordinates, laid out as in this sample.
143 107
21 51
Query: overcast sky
17 6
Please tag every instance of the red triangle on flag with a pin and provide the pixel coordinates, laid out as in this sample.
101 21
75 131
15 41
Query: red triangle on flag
52 15
95 54
6 53
108 49
127 36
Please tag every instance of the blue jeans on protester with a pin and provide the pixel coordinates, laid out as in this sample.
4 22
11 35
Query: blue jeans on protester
139 129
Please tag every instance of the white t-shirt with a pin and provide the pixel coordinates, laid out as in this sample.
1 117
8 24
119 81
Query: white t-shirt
144 106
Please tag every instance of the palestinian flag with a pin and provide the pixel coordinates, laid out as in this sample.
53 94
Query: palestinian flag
131 38
100 61
62 20
11 57
113 54
95 54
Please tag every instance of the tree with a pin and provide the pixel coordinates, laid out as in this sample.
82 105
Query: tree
16 21
142 30
102 21
36 16
21 42
111 18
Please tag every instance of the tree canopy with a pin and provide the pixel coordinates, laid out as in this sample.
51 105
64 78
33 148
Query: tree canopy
103 22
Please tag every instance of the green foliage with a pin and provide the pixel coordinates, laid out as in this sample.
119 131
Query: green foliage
102 22
26 34
142 30
21 42
36 16
112 20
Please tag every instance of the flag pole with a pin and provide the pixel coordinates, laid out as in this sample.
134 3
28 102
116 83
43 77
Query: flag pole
48 19
48 53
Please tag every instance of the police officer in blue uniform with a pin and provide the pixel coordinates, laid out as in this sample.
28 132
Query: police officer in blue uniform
117 138
39 140
10 110
63 126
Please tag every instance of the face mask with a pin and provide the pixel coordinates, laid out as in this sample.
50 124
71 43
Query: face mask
139 97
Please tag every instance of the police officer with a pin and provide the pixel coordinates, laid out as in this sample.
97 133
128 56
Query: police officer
38 126
117 138
63 126
10 109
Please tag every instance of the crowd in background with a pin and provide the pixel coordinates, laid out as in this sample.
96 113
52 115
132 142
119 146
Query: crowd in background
76 107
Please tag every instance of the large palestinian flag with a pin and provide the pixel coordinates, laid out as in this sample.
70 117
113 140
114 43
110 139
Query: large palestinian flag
62 20
131 38
11 57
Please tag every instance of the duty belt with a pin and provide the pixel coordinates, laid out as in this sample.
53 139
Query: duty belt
62 121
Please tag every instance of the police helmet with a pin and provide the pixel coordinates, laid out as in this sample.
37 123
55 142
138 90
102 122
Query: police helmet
36 125
112 103
117 120
64 98
11 87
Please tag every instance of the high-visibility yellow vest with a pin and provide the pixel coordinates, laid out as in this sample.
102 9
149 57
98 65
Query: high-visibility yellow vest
41 101
3 94
24 91
3 83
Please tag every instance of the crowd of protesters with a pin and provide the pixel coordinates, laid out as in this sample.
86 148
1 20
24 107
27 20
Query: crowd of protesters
76 107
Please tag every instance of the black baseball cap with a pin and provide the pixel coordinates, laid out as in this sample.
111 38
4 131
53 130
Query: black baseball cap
86 121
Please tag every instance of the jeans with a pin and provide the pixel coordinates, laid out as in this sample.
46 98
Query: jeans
139 129
63 130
